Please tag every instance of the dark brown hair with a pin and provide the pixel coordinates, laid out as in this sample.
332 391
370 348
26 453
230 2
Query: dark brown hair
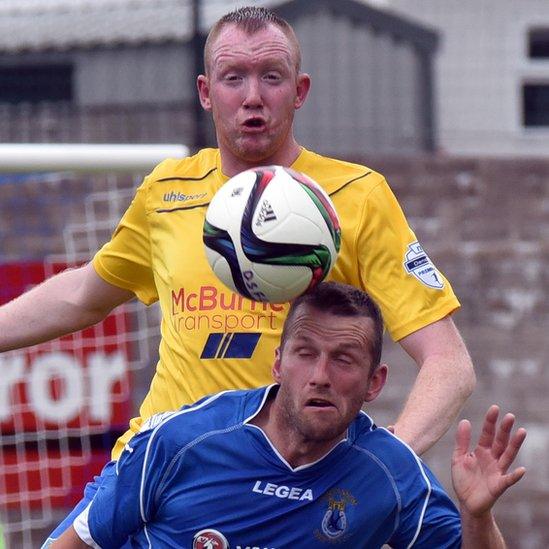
340 300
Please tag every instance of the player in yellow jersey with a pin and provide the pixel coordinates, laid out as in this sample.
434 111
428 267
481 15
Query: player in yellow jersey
211 338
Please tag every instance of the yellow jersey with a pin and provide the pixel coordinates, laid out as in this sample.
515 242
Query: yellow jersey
213 339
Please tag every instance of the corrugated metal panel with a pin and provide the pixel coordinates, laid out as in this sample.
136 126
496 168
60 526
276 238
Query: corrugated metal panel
366 93
150 74
62 123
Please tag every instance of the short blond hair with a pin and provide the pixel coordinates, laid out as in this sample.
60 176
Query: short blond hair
252 19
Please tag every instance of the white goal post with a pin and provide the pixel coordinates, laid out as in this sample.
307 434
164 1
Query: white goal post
82 157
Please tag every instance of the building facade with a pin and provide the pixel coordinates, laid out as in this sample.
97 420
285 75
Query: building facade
491 74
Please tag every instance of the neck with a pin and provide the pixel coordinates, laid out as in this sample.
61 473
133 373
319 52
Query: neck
232 165
290 444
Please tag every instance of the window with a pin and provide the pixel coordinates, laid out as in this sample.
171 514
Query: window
538 43
35 83
535 100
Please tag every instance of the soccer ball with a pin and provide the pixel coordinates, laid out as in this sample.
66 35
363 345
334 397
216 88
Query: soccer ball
271 234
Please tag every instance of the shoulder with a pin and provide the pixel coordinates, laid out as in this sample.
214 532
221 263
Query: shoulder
212 414
393 455
334 174
193 168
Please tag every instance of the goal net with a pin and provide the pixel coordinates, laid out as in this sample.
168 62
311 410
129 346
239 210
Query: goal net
63 403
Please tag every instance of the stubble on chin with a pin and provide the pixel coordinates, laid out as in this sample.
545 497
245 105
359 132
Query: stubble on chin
308 429
254 150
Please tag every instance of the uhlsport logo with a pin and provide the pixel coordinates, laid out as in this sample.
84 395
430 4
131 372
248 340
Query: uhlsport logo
335 521
417 263
210 539
175 196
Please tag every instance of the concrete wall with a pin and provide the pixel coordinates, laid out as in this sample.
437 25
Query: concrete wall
485 224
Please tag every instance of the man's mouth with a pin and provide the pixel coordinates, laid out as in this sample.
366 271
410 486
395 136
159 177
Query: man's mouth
254 123
318 403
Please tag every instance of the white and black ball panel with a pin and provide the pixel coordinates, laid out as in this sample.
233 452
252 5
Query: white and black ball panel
281 276
221 268
269 236
227 205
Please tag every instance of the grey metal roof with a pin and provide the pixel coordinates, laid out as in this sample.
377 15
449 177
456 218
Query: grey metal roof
32 25
37 25
61 24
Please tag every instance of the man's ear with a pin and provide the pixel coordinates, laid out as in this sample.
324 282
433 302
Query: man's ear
377 381
276 366
303 86
203 86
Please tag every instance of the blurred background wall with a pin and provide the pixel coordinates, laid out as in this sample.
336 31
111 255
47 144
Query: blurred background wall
450 100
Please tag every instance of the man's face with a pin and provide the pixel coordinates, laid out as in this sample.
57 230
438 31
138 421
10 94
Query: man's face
252 89
324 371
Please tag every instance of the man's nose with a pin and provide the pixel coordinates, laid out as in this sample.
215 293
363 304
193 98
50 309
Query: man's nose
321 372
253 98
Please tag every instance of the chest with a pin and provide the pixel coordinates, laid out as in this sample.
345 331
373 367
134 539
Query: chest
176 236
252 503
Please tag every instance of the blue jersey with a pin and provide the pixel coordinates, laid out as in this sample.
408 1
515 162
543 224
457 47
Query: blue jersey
204 477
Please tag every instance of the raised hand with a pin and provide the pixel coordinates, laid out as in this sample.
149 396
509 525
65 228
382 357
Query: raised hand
480 477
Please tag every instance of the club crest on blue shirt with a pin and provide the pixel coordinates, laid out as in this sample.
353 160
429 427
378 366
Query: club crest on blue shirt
210 539
418 264
335 520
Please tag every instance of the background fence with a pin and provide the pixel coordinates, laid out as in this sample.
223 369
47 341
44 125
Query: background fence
63 403
49 122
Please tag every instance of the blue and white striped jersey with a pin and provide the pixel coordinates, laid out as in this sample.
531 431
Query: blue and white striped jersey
204 478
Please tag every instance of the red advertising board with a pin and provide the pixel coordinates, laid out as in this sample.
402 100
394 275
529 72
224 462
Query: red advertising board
52 393
80 381
47 478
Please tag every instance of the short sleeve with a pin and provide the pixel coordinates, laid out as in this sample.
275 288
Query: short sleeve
125 261
396 271
126 501
428 517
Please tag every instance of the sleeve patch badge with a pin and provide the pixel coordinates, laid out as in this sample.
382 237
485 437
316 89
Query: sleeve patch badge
418 264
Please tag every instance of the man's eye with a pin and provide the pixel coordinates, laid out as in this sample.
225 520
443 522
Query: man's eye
272 76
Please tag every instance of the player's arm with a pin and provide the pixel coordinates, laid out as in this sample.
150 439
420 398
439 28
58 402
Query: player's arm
416 316
480 477
65 303
445 380
127 497
69 540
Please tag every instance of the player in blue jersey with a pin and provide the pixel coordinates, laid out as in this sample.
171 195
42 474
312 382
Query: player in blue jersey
298 463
